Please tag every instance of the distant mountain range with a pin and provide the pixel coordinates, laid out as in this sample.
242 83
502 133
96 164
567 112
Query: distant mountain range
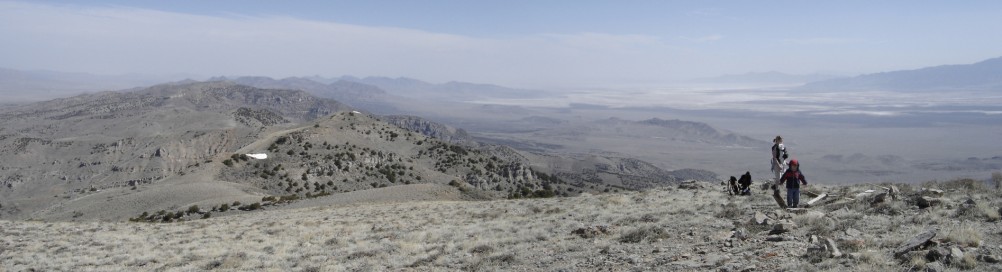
359 95
449 91
23 86
982 76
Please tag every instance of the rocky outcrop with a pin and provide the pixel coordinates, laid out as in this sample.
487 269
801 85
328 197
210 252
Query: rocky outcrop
430 129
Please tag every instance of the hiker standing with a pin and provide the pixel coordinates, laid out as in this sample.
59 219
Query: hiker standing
793 179
779 156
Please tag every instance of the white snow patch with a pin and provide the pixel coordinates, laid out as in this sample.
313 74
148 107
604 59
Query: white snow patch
260 156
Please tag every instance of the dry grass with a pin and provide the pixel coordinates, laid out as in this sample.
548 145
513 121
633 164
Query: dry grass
665 229
965 234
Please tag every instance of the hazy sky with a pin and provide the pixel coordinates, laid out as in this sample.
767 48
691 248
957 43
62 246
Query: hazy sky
516 43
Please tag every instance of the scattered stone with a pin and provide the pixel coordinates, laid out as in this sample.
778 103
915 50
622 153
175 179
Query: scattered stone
690 185
989 258
716 258
760 218
777 238
592 231
926 202
851 232
893 192
833 249
740 233
816 253
879 198
865 193
813 239
783 227
955 255
797 210
937 254
915 242
934 267
931 192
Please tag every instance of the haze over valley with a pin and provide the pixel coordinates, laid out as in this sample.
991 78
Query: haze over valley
444 136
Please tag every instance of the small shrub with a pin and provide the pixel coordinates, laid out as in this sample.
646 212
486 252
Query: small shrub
968 262
228 162
193 209
729 210
206 215
251 207
818 225
645 233
997 179
965 235
965 184
224 207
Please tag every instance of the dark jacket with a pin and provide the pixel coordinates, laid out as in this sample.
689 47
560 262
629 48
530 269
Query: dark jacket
745 180
793 179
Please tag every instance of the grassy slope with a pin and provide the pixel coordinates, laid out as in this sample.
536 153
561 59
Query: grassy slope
665 229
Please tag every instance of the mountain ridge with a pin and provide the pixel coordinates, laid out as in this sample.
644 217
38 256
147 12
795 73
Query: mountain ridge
984 75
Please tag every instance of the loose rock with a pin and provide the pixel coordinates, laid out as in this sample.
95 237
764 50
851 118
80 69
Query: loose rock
934 267
783 227
592 231
915 242
760 218
955 255
833 249
926 202
777 238
932 192
989 258
851 232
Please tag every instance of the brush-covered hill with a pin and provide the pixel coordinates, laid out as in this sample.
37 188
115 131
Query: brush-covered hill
115 155
353 93
351 151
59 150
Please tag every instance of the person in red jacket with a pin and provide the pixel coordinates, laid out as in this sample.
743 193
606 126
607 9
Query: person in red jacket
793 179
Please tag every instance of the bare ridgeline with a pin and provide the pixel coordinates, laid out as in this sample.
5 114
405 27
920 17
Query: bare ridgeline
174 177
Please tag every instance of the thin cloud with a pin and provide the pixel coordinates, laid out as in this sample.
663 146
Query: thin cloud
708 38
123 40
819 41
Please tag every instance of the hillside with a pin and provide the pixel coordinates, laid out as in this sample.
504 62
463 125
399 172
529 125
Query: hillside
450 91
684 228
982 76
358 95
57 151
115 155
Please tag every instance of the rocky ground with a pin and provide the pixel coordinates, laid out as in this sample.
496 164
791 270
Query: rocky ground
695 226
